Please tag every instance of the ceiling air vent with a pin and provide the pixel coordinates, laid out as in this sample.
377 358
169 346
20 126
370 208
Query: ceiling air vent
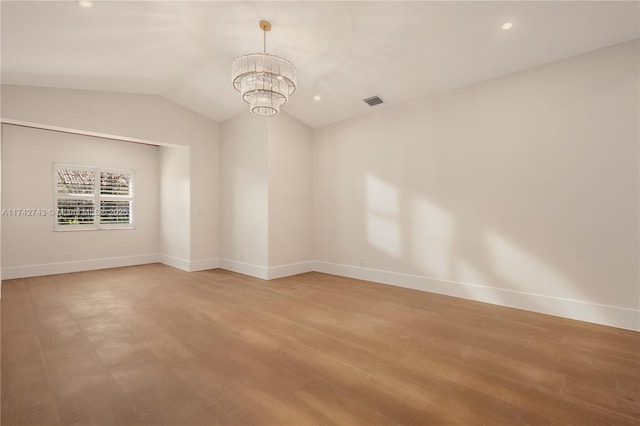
374 100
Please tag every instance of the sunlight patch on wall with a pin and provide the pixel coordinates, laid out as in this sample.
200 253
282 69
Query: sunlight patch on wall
432 230
384 234
525 273
382 198
467 273
476 289
521 269
383 230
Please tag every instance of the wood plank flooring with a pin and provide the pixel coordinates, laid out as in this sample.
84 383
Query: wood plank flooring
152 345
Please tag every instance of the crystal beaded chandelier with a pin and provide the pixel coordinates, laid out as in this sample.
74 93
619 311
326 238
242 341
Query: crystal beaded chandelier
265 81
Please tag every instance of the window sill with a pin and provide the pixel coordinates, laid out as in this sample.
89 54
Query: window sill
118 228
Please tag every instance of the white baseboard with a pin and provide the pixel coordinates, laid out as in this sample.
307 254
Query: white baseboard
189 265
289 269
104 263
266 273
614 316
204 264
261 272
75 266
176 262
574 309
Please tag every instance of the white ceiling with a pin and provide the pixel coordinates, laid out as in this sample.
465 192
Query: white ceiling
344 51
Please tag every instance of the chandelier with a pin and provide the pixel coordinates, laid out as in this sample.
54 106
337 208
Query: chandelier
265 81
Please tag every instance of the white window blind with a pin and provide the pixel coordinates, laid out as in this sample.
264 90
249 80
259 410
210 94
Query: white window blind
93 197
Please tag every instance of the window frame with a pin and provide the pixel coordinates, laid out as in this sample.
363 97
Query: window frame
96 197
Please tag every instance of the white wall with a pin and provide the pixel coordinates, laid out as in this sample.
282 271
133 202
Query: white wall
29 244
244 195
521 191
266 201
145 117
290 191
175 206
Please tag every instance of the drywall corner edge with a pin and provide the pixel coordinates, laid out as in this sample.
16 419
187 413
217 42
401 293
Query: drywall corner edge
256 271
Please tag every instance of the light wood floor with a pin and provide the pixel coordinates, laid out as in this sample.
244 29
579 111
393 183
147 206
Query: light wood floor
154 345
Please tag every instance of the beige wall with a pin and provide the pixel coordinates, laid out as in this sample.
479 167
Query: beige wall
290 159
29 243
149 118
266 198
175 202
522 190
244 195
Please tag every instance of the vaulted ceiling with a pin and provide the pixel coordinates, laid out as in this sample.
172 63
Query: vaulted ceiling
344 51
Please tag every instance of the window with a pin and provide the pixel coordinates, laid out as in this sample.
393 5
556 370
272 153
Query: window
93 197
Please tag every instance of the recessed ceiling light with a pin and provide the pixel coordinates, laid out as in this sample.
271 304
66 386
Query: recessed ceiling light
86 4
507 26
317 98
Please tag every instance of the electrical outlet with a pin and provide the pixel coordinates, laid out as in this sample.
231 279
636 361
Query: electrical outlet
67 256
362 261
110 252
